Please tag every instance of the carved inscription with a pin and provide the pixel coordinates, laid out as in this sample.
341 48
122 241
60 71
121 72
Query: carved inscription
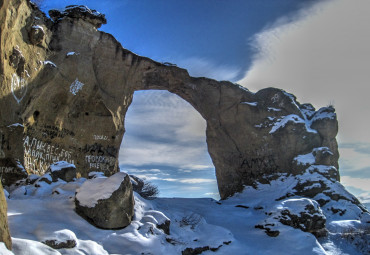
52 132
76 86
8 170
19 88
38 155
100 157
266 163
100 137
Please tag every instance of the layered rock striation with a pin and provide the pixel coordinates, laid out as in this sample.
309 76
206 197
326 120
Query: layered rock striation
66 87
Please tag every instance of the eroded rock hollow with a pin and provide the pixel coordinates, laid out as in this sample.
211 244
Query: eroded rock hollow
66 87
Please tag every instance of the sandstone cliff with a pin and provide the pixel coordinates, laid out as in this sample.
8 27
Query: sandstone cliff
66 87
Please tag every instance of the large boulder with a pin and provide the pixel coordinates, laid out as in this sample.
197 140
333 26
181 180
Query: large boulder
4 229
107 203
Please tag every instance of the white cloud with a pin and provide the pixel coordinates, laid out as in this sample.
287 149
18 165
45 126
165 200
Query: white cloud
359 183
322 57
163 129
196 180
201 67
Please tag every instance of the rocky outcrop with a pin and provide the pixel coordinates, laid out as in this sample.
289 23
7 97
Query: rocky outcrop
303 213
4 229
71 90
106 202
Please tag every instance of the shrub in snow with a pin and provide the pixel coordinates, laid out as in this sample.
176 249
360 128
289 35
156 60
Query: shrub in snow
145 189
61 239
106 202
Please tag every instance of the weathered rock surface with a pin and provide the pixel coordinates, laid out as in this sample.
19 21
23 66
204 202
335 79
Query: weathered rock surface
106 202
4 229
78 83
62 170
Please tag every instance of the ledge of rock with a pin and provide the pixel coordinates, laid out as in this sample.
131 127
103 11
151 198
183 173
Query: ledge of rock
107 203
79 12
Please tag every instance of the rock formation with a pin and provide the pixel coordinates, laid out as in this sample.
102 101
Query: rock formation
66 87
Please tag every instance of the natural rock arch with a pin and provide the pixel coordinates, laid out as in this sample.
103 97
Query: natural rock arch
70 92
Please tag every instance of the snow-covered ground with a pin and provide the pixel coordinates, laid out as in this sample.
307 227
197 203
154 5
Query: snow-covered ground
41 210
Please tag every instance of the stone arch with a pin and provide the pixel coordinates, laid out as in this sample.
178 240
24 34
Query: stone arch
76 102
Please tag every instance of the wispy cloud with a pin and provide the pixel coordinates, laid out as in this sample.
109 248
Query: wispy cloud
201 67
360 183
163 129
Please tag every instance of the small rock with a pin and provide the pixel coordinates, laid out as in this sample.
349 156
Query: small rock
36 35
17 61
62 239
62 170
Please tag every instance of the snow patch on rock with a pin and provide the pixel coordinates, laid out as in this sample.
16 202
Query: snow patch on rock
99 188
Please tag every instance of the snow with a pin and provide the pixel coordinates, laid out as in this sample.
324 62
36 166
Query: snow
47 62
306 159
71 53
285 120
39 213
324 113
60 236
4 250
6 194
273 109
250 103
38 27
99 188
60 165
26 247
297 205
16 125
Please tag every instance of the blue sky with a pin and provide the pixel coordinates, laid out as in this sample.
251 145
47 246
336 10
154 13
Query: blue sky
317 50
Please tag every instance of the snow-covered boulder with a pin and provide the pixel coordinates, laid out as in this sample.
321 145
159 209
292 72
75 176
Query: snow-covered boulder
61 239
106 202
62 170
302 213
159 219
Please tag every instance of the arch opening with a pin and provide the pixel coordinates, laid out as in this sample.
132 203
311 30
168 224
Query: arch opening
165 143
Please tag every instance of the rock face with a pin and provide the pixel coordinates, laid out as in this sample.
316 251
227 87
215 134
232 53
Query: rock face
4 229
71 90
106 202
